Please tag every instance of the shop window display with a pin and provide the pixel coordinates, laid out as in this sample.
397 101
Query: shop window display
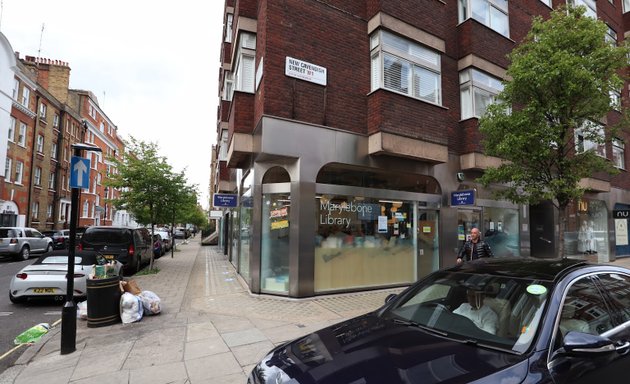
587 230
363 242
274 270
501 231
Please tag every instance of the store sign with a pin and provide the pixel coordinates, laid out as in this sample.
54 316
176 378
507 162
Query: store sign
342 213
621 214
305 71
463 198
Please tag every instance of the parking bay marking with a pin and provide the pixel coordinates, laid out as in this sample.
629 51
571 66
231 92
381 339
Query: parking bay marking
56 313
6 313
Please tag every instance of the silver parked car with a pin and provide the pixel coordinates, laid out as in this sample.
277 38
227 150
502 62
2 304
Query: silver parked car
20 242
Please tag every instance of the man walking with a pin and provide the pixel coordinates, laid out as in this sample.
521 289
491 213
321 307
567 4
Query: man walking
474 248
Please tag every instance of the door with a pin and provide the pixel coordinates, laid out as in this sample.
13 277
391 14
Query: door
428 242
587 309
542 238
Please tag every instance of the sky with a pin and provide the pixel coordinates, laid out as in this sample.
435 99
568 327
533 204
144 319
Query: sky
152 64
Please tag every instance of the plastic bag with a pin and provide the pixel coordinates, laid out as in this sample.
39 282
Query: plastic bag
131 309
33 334
150 302
82 310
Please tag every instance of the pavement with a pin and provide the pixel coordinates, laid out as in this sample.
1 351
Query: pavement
211 329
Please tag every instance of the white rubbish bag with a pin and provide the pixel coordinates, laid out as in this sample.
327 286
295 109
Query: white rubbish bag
150 302
131 309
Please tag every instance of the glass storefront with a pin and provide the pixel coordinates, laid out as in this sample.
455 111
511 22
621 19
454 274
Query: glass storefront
587 230
363 242
274 255
245 221
501 231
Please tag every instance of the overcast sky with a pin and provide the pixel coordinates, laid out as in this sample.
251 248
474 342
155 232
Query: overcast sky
152 64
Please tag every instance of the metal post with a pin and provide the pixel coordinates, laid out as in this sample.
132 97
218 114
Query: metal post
69 311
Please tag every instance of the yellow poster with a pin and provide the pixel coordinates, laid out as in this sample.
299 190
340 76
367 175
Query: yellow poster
280 224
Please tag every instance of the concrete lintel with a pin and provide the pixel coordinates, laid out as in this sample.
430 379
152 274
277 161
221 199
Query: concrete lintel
595 185
478 161
382 143
386 21
241 145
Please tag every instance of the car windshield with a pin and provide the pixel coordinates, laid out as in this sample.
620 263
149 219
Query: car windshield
488 310
106 235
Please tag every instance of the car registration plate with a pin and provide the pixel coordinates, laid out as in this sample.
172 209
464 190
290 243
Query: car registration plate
109 257
44 290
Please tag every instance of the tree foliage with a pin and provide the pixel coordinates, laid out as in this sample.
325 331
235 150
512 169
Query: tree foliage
560 81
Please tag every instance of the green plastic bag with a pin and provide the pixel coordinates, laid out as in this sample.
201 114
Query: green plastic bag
33 334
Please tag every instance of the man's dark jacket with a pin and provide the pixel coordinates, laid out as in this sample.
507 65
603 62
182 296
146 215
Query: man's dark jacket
483 250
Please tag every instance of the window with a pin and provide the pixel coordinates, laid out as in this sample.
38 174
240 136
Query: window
12 129
228 86
591 8
86 208
244 72
615 100
590 137
53 151
40 144
101 127
22 135
56 121
26 95
19 170
228 27
51 181
42 110
618 287
406 67
547 2
49 212
7 170
38 176
477 90
611 36
626 6
492 13
35 210
63 183
618 153
16 89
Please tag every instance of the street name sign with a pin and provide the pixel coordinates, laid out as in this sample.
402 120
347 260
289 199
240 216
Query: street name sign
224 200
79 172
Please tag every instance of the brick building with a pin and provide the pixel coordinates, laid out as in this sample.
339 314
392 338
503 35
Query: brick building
349 131
45 119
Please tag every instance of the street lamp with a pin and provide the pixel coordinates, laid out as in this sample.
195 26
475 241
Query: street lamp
69 311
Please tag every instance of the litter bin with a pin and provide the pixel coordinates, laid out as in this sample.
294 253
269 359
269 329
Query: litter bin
103 301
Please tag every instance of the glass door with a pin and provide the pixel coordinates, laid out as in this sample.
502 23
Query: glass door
428 242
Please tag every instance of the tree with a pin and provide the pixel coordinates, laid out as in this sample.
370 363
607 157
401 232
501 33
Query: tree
148 187
561 79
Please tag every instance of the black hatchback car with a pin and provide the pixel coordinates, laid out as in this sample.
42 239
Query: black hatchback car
516 320
130 246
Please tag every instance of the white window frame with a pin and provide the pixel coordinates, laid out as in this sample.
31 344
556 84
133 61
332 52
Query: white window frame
35 210
228 86
493 8
16 89
43 109
56 121
611 35
37 177
547 3
245 66
590 5
49 211
615 100
19 172
626 6
583 144
619 153
26 95
8 167
11 133
22 135
51 181
53 151
473 80
421 63
229 19
86 209
40 144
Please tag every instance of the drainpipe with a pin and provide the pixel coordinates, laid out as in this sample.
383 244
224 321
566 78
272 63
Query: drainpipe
30 181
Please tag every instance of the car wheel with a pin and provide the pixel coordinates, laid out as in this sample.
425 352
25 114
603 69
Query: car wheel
16 300
138 264
49 248
24 254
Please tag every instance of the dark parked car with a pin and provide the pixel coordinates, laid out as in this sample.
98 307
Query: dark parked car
512 320
60 238
130 246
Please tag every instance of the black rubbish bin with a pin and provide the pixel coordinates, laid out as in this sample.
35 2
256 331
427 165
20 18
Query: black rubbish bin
103 301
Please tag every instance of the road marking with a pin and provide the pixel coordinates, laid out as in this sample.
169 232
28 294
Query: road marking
6 313
52 313
11 351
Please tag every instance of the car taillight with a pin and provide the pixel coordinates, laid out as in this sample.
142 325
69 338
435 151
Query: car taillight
13 241
22 276
131 250
80 247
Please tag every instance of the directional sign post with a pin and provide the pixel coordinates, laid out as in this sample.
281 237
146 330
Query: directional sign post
79 178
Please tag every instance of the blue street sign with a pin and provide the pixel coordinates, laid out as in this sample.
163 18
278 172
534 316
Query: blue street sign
79 172
463 198
224 200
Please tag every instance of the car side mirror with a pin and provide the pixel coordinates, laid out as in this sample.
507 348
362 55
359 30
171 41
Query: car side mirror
584 344
390 297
